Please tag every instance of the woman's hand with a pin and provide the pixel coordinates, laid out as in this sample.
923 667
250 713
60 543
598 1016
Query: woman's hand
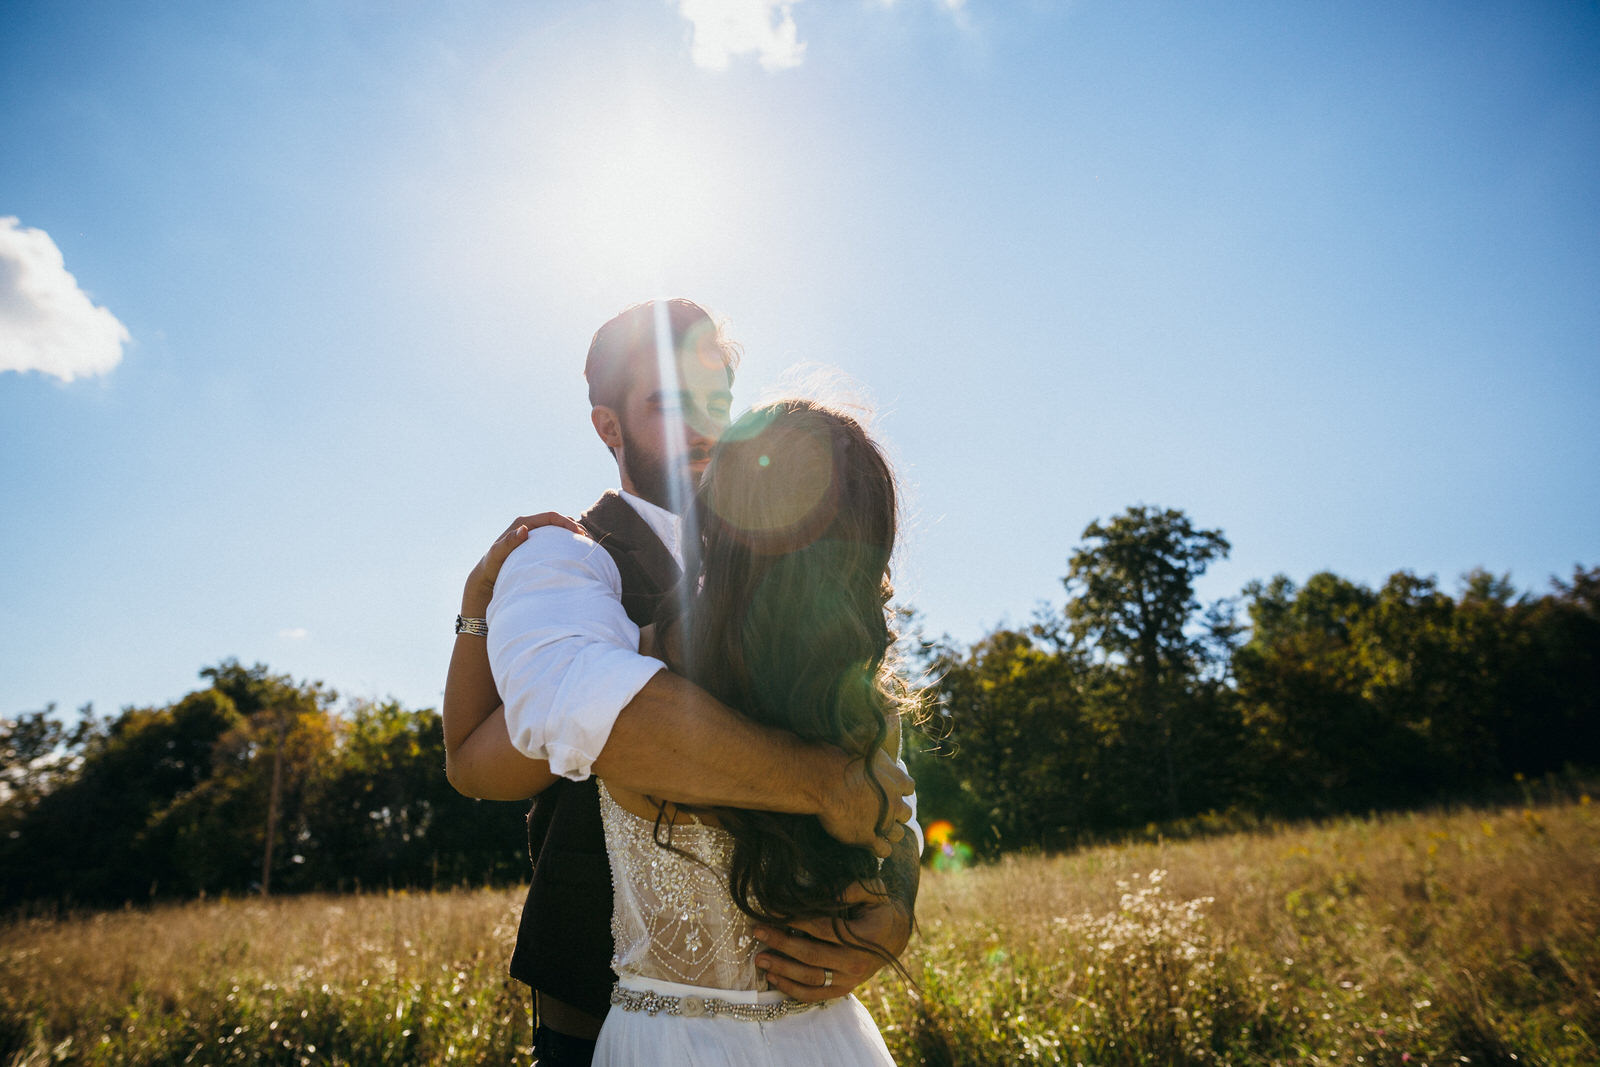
479 758
480 582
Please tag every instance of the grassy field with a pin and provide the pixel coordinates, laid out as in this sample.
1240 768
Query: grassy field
1467 937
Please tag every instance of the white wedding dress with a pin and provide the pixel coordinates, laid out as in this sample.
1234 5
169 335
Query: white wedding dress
688 990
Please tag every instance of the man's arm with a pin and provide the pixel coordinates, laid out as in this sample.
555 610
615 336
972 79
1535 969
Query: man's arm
578 695
674 740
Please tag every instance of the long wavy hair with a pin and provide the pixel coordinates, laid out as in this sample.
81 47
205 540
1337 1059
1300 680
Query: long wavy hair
788 624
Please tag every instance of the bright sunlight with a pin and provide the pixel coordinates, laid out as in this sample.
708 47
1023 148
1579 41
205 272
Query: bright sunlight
643 192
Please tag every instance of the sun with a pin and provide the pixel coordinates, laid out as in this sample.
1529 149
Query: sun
642 192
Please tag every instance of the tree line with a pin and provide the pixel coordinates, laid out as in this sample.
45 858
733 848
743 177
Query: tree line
255 783
1130 704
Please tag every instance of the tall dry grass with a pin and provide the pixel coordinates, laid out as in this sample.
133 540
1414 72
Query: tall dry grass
1444 938
373 979
1470 937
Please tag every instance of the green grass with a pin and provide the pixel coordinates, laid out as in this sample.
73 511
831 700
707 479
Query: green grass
1466 937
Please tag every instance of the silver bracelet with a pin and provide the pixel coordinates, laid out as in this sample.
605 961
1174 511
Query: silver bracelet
480 627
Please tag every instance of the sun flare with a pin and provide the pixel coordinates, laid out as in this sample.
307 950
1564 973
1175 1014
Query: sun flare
646 192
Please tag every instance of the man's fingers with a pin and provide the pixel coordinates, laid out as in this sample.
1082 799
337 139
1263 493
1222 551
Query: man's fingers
898 785
858 815
901 812
895 779
890 833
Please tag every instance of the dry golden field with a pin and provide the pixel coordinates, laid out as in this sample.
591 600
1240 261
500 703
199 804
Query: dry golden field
1466 937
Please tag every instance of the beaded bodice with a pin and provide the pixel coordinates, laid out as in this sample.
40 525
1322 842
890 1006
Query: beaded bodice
671 916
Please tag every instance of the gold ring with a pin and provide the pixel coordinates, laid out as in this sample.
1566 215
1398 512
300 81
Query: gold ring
827 977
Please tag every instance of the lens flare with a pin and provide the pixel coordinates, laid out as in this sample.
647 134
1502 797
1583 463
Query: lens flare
776 485
952 856
677 458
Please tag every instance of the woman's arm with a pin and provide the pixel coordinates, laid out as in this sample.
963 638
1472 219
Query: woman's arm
480 760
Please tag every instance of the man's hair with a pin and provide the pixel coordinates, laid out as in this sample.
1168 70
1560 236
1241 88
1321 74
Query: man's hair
627 344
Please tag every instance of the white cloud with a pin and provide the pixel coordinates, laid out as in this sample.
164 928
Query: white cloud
727 28
294 633
47 323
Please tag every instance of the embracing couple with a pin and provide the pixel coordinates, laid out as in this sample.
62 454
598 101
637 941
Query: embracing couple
691 683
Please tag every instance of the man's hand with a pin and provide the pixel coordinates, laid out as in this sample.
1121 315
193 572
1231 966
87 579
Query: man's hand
850 812
809 962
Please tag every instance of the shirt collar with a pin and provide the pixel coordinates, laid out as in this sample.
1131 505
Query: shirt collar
663 523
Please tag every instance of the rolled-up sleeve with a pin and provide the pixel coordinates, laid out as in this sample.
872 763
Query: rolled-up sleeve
563 652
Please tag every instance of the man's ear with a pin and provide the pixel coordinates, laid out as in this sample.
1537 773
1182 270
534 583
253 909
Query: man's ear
607 425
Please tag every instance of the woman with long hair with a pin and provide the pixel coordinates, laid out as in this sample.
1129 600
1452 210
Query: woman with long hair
784 618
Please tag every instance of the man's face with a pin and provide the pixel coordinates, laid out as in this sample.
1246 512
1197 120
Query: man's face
668 430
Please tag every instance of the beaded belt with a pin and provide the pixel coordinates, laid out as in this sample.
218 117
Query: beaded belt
694 1006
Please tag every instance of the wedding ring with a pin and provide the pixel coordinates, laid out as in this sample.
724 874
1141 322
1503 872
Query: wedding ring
827 977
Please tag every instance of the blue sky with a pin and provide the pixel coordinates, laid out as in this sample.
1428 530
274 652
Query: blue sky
1326 276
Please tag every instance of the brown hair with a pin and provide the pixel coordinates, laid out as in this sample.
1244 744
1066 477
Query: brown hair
797 516
627 342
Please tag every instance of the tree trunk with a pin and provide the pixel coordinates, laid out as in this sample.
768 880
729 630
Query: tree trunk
272 808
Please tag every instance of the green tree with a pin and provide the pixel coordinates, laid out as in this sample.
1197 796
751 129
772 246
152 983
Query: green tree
1016 749
383 813
1565 676
1130 590
37 750
87 839
1357 698
1315 740
244 823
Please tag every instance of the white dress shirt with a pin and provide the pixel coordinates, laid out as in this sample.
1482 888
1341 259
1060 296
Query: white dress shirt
564 654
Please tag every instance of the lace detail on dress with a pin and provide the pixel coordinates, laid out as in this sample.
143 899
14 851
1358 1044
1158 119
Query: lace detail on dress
672 918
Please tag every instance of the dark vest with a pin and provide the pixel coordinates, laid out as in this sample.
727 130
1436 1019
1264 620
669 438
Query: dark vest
564 939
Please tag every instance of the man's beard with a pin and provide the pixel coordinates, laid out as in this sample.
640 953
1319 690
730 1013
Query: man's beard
651 478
